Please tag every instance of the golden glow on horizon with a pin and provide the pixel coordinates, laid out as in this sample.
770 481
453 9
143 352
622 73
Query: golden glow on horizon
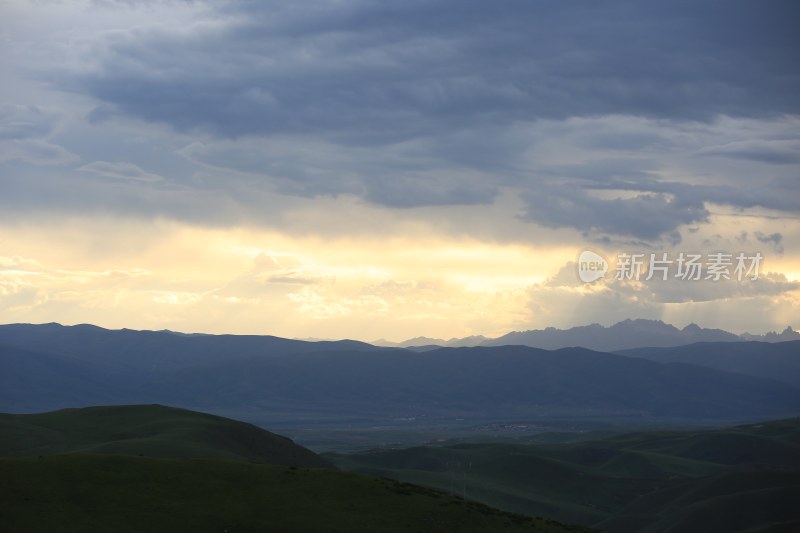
243 280
247 280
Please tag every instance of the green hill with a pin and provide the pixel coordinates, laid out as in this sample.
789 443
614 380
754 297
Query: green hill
647 481
154 468
149 431
118 493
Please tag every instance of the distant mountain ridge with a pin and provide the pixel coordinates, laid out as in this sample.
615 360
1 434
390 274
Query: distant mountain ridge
787 334
49 366
625 335
465 342
622 335
776 360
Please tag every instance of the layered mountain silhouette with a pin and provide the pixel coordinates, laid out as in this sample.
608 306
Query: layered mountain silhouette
623 335
51 366
465 342
787 334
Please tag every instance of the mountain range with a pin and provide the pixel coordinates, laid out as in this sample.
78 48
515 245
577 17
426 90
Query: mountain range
50 366
623 335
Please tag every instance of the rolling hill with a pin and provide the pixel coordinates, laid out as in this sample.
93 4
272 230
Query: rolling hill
744 478
149 431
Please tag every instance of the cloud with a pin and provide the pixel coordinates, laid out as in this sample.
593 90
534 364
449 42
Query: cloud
19 122
25 132
563 301
395 176
776 152
646 216
37 152
593 119
270 277
121 171
369 72
773 239
593 176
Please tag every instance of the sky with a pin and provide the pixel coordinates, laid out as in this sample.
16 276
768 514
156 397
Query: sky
370 169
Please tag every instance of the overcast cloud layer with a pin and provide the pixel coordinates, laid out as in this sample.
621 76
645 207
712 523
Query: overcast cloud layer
609 125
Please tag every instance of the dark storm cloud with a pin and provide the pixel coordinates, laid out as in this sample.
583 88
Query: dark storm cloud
421 190
371 72
773 239
644 216
651 209
406 176
442 102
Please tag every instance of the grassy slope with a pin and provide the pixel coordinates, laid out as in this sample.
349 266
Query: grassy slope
119 493
150 431
658 480
155 468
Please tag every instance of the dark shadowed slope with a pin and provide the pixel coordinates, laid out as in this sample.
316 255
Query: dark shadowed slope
147 430
79 493
153 468
40 381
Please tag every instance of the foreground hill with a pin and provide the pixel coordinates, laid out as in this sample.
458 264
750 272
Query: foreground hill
745 478
150 431
153 468
116 493
48 367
